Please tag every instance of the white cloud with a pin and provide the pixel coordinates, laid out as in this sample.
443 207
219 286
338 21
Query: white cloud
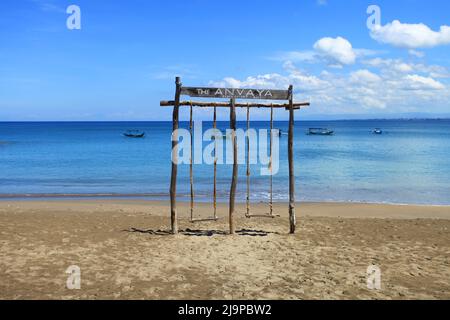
416 53
373 102
275 80
364 76
416 82
272 80
338 51
390 66
411 36
396 91
403 67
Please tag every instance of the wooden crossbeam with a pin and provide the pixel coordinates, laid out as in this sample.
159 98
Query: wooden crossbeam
202 104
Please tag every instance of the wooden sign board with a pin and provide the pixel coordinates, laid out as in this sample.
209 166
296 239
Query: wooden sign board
263 94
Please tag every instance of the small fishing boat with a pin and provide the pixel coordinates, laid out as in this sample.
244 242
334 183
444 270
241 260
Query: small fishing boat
377 131
320 132
134 134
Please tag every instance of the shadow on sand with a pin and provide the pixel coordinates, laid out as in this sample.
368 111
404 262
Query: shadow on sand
204 233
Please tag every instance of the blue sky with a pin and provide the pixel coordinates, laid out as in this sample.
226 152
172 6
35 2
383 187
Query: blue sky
127 53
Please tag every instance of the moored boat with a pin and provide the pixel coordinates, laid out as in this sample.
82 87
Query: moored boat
377 131
134 134
320 131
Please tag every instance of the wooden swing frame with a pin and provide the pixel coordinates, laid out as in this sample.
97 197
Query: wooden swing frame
232 94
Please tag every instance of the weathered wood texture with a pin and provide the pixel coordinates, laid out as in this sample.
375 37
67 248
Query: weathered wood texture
262 94
270 164
202 104
235 166
191 163
173 178
263 216
247 202
215 165
292 218
204 220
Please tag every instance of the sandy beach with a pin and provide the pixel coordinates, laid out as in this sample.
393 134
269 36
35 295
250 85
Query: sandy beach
124 252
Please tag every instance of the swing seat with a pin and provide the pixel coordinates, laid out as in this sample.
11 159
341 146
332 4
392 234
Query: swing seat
203 220
272 216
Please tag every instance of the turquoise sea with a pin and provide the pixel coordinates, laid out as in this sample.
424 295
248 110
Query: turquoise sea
409 163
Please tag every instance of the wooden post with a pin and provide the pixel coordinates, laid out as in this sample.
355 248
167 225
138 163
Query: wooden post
215 164
173 178
248 165
191 166
292 219
235 165
270 164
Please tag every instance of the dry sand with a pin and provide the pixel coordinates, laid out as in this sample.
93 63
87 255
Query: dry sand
122 255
